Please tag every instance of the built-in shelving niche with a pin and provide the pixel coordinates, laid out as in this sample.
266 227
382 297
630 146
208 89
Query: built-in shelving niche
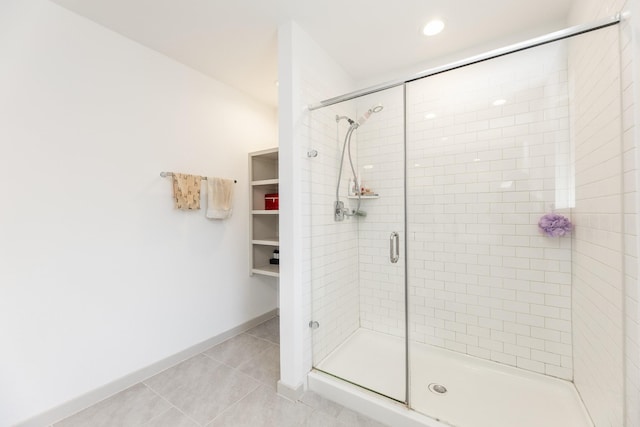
263 170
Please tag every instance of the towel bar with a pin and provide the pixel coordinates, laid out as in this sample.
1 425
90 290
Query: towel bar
166 174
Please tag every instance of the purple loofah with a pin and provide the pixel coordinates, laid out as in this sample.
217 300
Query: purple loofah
555 225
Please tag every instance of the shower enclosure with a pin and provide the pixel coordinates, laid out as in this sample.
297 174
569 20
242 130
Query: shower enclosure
438 289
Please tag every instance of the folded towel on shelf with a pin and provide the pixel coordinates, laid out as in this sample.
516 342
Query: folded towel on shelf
186 191
219 198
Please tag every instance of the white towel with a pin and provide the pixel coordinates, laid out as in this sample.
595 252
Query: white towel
219 198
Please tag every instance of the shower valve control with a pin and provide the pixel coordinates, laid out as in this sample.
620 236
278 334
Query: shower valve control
314 325
340 211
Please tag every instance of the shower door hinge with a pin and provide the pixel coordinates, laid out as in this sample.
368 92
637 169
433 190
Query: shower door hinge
314 325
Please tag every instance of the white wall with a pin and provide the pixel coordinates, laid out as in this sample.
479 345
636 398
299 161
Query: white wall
307 75
100 275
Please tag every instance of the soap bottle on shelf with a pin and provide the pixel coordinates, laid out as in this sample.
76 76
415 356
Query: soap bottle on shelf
352 187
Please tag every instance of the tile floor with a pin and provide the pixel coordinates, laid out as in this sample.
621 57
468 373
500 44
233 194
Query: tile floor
230 385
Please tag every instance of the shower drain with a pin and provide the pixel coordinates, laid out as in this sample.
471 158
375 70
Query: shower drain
437 388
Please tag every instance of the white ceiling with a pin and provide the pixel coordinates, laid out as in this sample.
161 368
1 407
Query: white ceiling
235 41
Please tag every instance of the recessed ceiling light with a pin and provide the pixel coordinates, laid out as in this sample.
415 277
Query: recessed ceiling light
433 27
367 167
276 83
499 102
430 116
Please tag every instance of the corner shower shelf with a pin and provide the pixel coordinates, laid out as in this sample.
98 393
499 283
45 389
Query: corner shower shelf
265 212
364 197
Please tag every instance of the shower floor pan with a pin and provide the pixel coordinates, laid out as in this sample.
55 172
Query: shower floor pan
479 393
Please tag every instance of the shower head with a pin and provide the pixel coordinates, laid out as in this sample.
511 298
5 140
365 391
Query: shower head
368 114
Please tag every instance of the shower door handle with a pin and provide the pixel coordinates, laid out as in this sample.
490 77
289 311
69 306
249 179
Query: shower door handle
394 247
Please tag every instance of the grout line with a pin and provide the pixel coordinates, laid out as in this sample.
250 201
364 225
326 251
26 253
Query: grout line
222 363
255 357
263 339
218 360
162 413
171 405
239 372
228 408
270 342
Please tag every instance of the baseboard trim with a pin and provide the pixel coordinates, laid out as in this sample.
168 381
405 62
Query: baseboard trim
289 392
94 396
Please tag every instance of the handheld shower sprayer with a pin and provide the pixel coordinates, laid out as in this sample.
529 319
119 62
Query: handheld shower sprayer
368 114
339 210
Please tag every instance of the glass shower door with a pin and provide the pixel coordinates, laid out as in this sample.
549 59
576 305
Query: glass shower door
357 242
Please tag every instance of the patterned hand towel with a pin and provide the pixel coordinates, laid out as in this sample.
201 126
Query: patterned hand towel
219 198
186 191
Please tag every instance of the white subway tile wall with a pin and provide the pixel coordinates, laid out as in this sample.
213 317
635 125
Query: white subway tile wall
630 169
488 153
334 245
601 357
598 270
325 298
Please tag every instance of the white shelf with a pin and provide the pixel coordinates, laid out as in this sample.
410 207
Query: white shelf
272 270
364 197
266 242
266 212
265 182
